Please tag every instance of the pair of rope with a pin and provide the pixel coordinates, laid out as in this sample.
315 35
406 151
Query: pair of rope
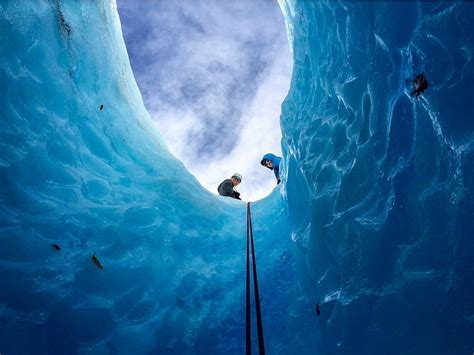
250 243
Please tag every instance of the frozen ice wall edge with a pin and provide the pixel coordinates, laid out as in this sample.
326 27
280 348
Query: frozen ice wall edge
379 185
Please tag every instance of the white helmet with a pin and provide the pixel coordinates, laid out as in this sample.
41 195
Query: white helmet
237 176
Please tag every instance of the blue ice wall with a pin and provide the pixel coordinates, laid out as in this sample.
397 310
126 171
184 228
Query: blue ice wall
83 167
380 185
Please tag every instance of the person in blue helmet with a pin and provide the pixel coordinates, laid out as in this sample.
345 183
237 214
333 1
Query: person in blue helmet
272 162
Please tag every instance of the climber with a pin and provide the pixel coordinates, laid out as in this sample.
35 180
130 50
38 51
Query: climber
272 162
420 84
226 187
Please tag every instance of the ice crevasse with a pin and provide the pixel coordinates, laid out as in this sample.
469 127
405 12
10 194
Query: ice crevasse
373 220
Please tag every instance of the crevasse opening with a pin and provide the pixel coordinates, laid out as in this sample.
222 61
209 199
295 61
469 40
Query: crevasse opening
373 220
213 77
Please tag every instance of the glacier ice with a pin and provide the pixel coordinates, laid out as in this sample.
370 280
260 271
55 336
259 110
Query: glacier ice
374 218
380 185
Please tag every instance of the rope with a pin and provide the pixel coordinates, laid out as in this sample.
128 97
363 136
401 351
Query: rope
261 346
247 294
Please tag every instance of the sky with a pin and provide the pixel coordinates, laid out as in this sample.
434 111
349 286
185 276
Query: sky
213 75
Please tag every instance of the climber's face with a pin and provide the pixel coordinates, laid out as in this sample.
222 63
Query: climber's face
235 181
269 164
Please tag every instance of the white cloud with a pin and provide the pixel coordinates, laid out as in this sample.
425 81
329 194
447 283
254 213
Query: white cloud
260 134
213 76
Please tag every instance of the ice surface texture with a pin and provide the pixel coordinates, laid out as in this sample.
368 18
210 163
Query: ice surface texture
378 197
380 185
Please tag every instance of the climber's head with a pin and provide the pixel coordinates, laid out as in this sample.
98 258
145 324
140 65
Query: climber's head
236 179
267 163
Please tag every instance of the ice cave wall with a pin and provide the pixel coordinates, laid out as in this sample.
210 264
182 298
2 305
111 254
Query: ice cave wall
380 185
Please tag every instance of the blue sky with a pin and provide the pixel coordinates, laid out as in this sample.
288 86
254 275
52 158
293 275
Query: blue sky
213 75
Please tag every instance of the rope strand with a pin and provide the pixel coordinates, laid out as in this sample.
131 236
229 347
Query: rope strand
261 345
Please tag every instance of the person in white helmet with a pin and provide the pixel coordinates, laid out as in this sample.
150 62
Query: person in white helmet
226 187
